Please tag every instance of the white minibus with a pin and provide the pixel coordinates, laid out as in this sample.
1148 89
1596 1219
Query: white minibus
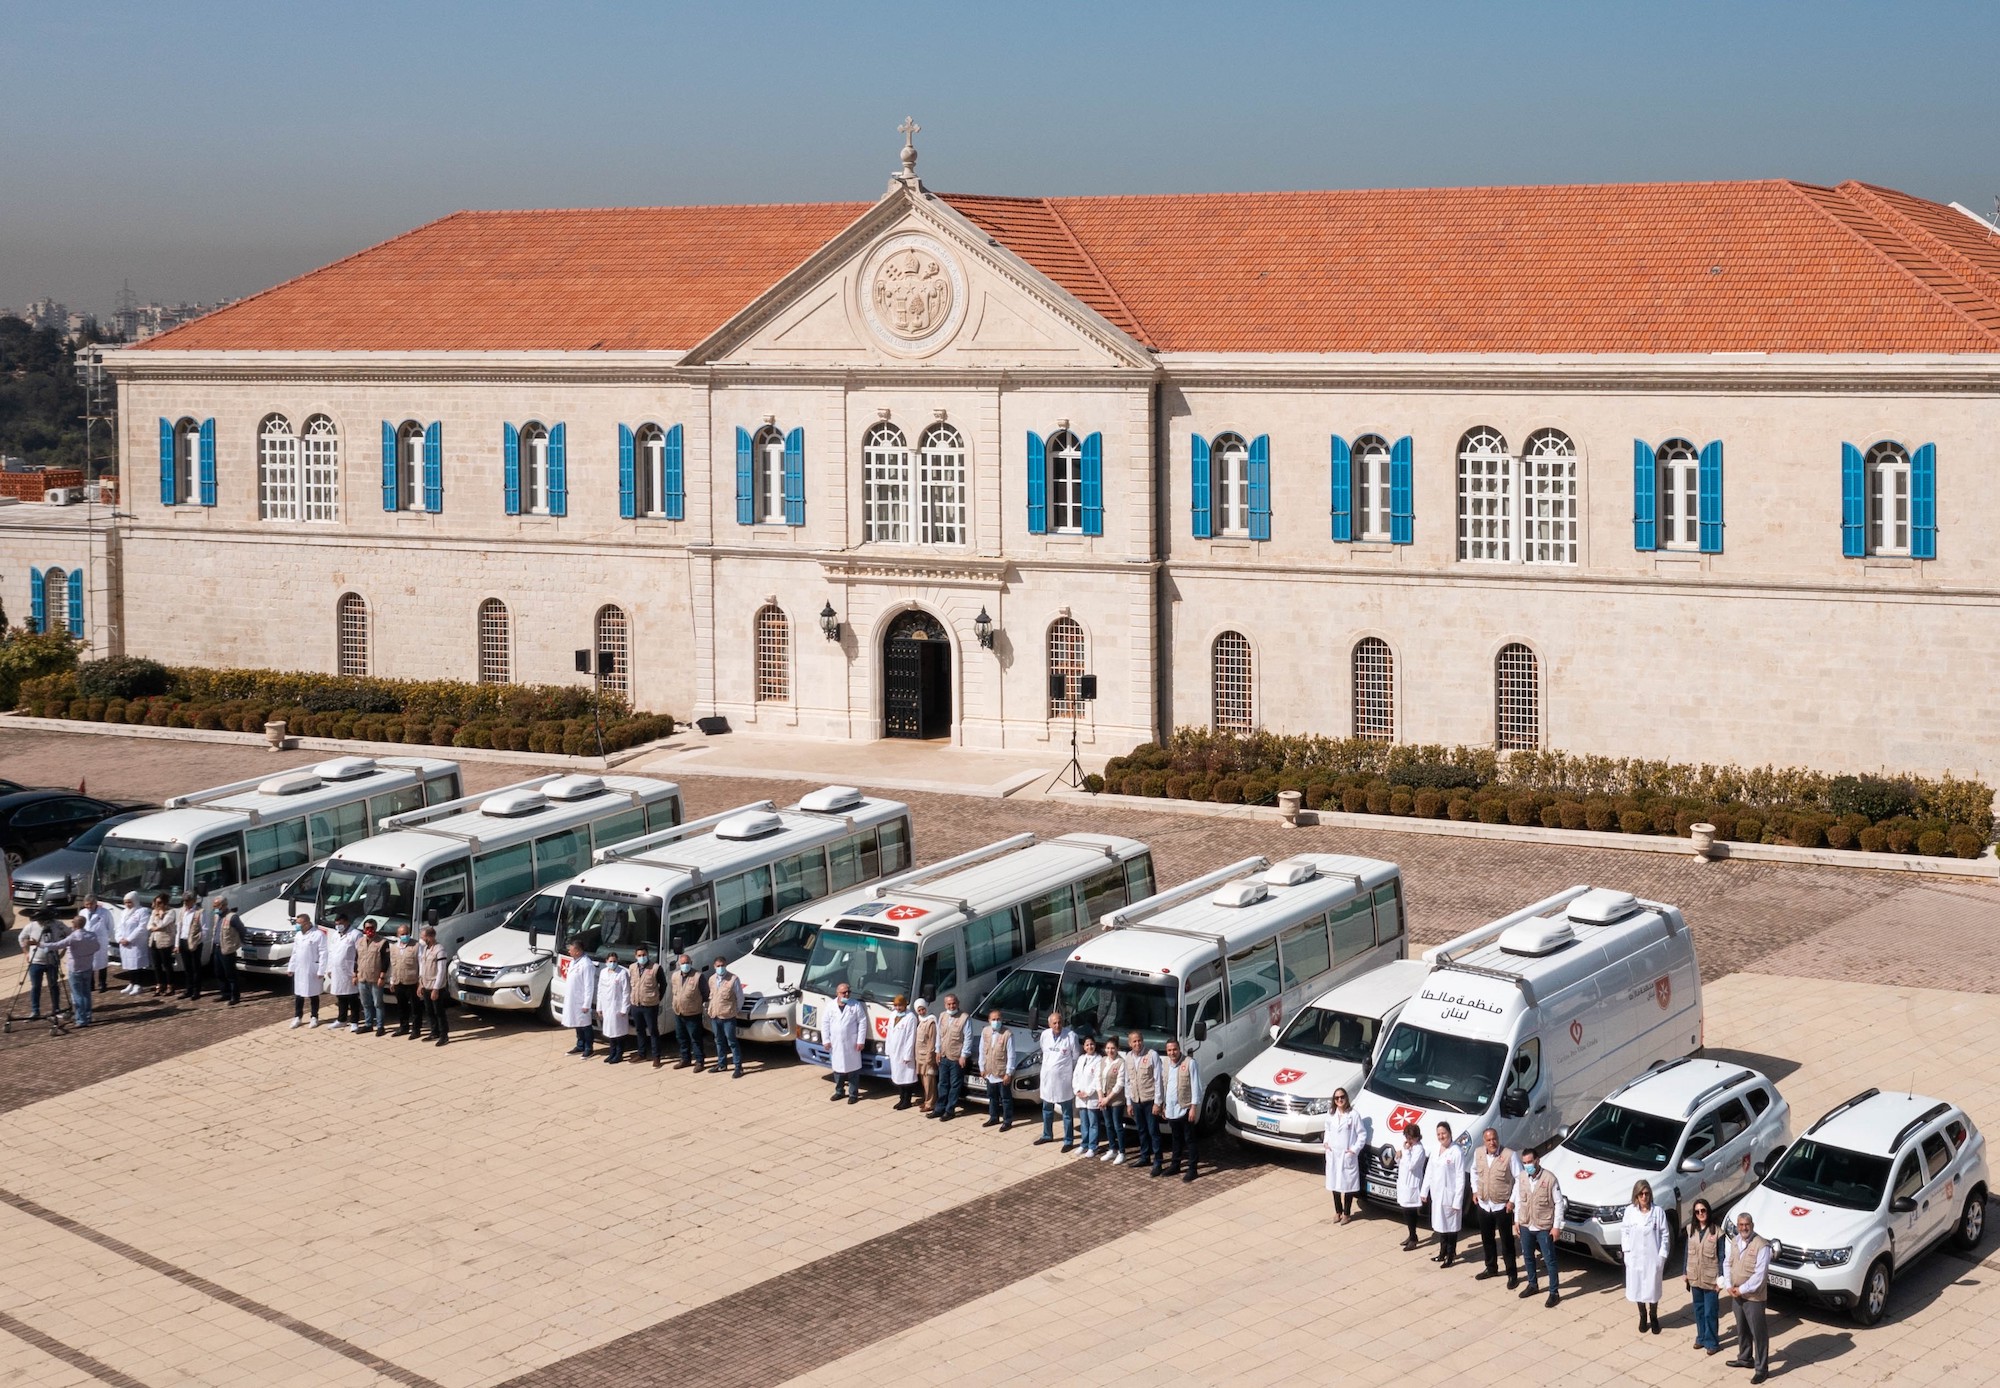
958 925
463 864
245 840
1524 1024
709 894
1219 962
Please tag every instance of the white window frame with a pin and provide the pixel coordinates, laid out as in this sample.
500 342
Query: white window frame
1229 485
1888 471
649 466
1370 456
1486 497
1065 478
410 466
319 471
1679 492
350 635
1372 669
277 470
187 462
1548 499
888 496
767 475
534 469
1232 678
941 486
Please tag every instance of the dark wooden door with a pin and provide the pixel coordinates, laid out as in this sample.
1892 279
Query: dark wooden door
916 678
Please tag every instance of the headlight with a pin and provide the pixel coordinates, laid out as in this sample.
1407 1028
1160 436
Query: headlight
1608 1214
1235 1088
1830 1257
1319 1107
809 1035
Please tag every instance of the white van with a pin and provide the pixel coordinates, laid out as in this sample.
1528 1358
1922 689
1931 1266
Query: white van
1218 962
1525 1023
247 839
1025 995
1280 1099
958 925
710 894
465 863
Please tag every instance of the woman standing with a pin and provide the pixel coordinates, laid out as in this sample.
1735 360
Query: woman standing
134 956
1645 1238
1090 1096
1444 1189
1345 1137
1410 1165
160 946
1114 1102
307 967
903 1051
1704 1265
614 1006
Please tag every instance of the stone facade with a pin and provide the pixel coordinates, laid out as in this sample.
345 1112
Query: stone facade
77 538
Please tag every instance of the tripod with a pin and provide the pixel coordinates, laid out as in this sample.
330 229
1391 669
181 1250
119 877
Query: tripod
58 1024
1074 771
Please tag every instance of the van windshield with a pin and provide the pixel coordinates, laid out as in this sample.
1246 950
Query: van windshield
1644 1141
1025 997
605 924
1109 1005
1433 1070
789 941
356 890
126 865
1830 1175
876 967
1331 1035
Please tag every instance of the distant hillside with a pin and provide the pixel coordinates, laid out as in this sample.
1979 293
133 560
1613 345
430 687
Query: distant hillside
41 405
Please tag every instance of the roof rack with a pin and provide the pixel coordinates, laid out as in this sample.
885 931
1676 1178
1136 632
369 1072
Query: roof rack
1934 1111
1650 1071
1520 981
1863 1097
1126 916
929 870
1721 1086
1439 955
626 848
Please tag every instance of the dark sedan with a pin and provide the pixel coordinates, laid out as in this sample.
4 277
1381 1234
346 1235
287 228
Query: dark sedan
34 822
56 881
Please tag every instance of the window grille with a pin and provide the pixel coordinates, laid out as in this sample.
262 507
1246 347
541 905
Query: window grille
1485 496
1888 467
1680 494
1235 707
55 601
1374 690
774 679
885 458
1229 464
614 651
495 643
649 458
277 470
1517 690
1371 487
1548 499
942 486
1066 658
351 635
319 471
1065 460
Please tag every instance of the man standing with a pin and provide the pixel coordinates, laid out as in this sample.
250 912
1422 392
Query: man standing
952 1038
1749 1264
902 1050
371 966
649 985
97 920
725 1005
188 933
996 1068
41 941
1495 1173
432 962
924 1052
307 967
403 956
1058 1082
614 1006
689 999
341 951
227 928
133 956
1538 1209
1180 1089
846 1021
78 952
579 996
1142 1091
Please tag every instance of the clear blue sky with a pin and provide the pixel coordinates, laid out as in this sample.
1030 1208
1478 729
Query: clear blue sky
207 148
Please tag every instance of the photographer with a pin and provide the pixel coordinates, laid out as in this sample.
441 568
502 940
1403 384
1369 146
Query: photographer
81 948
41 941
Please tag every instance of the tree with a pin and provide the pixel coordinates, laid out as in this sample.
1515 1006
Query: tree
41 403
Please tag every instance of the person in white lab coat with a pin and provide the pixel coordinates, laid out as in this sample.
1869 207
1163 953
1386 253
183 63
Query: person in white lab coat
845 1022
134 957
903 1051
579 996
1344 1139
1645 1239
97 920
341 948
1411 1163
614 1006
1444 1189
1058 1081
307 967
1090 1097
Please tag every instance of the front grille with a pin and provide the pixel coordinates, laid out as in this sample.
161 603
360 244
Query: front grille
1783 1257
488 971
267 937
1372 1167
1271 1101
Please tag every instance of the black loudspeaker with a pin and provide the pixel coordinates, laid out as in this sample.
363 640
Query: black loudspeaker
1058 690
607 662
583 662
1088 688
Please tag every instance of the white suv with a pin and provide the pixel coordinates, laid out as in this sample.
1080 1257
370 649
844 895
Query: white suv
1869 1187
1694 1129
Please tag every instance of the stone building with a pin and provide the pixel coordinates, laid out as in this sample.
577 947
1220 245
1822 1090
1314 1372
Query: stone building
1693 471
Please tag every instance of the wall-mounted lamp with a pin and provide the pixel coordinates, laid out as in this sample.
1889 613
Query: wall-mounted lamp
982 627
829 622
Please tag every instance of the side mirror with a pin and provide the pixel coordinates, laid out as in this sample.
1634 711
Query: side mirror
1201 1031
1562 1135
1691 1166
1903 1205
1514 1103
1274 1033
781 975
1771 1162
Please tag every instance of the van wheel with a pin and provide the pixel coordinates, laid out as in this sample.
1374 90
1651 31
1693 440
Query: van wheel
1971 1221
1874 1298
1212 1105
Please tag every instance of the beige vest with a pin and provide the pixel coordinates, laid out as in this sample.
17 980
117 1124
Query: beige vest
993 1051
1535 1201
1492 1177
230 939
1183 1083
687 994
1704 1263
951 1035
723 995
646 985
1141 1080
926 1054
403 965
368 959
1743 1263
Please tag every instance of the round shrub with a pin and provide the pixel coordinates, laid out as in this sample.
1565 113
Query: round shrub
1873 840
1429 804
1747 829
444 733
156 713
1902 840
1600 815
207 717
1571 815
1839 836
1967 843
1458 808
1522 810
1401 801
1634 821
1154 784
1177 785
1354 800
1317 794
1201 786
1663 814
1552 817
135 711
1932 844
1132 783
1492 810
114 711
1093 783
1807 831
1378 798
1227 790
1260 790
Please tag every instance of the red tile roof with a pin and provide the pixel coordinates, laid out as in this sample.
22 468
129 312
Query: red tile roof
1772 266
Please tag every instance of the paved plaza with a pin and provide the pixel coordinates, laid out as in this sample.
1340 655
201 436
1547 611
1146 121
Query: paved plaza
194 1196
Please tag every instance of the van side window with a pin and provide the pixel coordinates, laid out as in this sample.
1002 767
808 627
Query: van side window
616 828
1388 910
663 814
335 828
561 855
1051 917
394 802
1909 1179
1526 1078
1208 1009
1760 1100
844 861
1253 977
742 900
1303 952
895 841
1353 929
218 864
1104 893
939 973
440 788
1732 1121
1139 877
445 889
800 878
1704 1137
991 941
1202 975
687 920
503 873
1937 1155
276 847
1955 1130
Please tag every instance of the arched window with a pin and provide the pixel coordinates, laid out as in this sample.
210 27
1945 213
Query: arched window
614 652
1371 488
1234 684
649 464
886 484
319 471
55 601
187 461
1066 658
1888 466
774 655
277 470
351 635
1680 494
1229 487
1374 690
767 464
410 465
496 654
941 485
1517 699
1065 461
1485 496
1548 499
534 470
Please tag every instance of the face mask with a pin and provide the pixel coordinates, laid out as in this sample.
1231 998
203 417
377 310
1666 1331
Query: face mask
687 968
721 972
1528 1167
640 960
951 1011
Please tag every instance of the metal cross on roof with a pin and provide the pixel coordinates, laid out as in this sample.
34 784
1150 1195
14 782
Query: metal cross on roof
909 129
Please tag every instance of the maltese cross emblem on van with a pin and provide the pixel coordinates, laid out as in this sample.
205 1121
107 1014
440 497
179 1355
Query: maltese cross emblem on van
1404 1117
1663 990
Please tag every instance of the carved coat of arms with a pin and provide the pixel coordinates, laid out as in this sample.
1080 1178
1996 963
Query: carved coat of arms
912 293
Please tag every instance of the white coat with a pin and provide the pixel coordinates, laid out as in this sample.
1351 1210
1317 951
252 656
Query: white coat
903 1049
844 1028
1059 1057
1410 1165
1444 1183
579 992
1645 1239
1345 1137
614 1001
307 963
133 952
1090 1081
340 951
98 923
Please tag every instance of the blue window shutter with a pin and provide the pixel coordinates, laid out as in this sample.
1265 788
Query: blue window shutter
1038 485
1260 487
390 500
1853 504
1923 502
168 489
628 479
1341 461
1199 494
795 477
1093 484
676 486
1708 493
1402 492
559 470
1645 496
510 467
38 601
76 602
746 512
206 475
434 466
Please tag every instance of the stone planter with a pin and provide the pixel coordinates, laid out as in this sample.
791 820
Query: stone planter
1288 806
1702 836
274 735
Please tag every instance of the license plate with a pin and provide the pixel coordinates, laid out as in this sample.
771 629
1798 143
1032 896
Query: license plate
1385 1192
1783 1284
1565 1237
1264 1124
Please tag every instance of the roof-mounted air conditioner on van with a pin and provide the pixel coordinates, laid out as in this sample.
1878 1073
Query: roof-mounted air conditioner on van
831 800
1290 873
512 804
754 824
574 787
1247 893
1603 907
346 768
1537 936
291 783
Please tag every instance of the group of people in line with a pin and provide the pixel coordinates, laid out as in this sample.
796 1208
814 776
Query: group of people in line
164 950
1518 1206
622 1001
364 970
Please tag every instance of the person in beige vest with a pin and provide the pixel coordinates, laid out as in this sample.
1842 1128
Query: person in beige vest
228 947
1538 1216
1495 1173
927 1056
1747 1266
1705 1238
954 1033
687 993
404 955
725 1005
1142 1092
996 1068
649 987
371 967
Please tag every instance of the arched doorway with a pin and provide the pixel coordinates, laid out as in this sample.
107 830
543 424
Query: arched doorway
916 677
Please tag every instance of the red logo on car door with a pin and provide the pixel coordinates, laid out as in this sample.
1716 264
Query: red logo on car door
1663 990
1403 1118
1576 1032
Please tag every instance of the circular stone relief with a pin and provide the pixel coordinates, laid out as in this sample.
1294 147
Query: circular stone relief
913 294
